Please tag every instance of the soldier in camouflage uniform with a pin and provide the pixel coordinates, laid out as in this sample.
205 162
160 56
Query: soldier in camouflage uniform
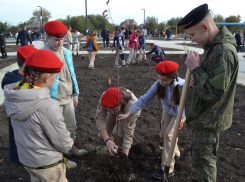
210 98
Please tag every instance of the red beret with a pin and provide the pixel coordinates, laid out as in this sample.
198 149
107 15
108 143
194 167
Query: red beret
75 31
55 28
166 68
109 98
23 52
69 27
44 61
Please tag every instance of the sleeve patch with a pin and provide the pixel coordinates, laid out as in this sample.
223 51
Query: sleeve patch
218 82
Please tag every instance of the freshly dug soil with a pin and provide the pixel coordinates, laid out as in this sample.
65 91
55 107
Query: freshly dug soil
144 158
6 62
13 48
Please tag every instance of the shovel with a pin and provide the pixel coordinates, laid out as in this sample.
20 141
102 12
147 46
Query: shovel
176 129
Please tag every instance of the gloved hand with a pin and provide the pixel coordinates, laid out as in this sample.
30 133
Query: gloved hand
135 40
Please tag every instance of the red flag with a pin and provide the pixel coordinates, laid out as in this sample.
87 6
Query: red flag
107 2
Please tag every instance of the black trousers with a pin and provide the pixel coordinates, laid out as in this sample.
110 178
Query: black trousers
3 51
105 41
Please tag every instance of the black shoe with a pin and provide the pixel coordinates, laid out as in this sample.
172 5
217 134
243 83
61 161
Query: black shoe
72 54
5 57
176 157
77 54
82 56
159 174
127 65
91 68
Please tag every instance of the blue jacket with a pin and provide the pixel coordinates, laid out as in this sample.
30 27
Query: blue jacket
69 62
168 32
167 102
11 77
158 52
142 42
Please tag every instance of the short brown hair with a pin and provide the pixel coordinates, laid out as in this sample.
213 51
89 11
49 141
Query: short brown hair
20 62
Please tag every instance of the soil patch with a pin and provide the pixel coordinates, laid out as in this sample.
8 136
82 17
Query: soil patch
13 48
6 62
144 158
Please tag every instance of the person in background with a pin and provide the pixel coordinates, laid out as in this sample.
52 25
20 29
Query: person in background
159 54
76 37
24 37
69 39
120 51
168 33
142 54
3 46
92 52
126 38
238 40
104 35
134 46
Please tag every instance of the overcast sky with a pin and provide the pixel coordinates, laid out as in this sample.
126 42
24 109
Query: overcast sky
16 11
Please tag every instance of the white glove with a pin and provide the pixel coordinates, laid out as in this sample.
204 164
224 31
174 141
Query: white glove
135 40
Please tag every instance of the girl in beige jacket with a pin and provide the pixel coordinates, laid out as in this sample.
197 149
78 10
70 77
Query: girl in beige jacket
39 129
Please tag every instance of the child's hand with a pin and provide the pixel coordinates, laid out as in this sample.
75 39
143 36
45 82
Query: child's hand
123 116
111 147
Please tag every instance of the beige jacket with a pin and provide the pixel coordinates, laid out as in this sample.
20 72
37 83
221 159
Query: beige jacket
130 122
69 37
39 129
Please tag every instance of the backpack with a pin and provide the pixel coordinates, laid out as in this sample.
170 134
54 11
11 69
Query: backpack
90 46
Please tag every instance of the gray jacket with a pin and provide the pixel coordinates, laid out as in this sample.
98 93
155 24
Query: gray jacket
167 103
39 129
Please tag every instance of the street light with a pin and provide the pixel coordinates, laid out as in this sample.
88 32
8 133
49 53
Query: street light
69 19
144 15
86 15
42 17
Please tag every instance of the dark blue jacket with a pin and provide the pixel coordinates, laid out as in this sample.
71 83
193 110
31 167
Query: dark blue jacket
168 32
142 42
11 77
158 52
104 33
23 36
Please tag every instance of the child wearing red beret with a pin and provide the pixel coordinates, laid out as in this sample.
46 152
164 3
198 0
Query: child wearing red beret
39 129
113 102
65 90
13 77
168 88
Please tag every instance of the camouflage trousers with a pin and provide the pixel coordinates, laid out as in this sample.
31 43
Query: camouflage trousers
205 144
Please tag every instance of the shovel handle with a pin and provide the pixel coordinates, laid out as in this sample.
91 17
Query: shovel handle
178 120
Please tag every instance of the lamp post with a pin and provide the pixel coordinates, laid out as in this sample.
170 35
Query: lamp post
86 15
42 17
144 15
69 19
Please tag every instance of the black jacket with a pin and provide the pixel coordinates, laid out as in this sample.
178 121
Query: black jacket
104 33
11 77
2 41
24 36
238 39
126 34
158 52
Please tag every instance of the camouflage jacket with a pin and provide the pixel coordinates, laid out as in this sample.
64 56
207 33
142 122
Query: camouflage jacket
209 103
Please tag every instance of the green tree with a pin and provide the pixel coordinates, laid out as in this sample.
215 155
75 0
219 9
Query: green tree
151 23
37 15
234 19
3 27
218 18
174 22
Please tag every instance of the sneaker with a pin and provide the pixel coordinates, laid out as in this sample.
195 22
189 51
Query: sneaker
91 68
127 65
5 57
71 164
159 174
177 155
72 54
77 54
124 65
82 56
116 66
78 153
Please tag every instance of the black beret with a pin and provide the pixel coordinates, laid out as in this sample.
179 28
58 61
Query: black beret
194 17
